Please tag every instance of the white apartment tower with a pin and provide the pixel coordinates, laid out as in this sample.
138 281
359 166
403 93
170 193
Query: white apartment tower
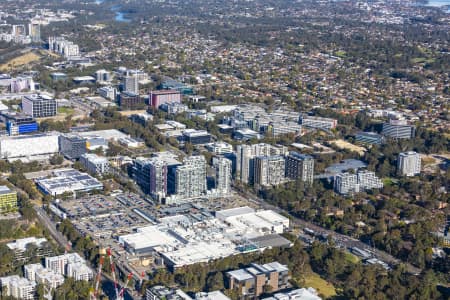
409 163
222 166
190 178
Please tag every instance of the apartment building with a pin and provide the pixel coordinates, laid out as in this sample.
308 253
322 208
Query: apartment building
300 166
8 199
269 170
95 164
409 163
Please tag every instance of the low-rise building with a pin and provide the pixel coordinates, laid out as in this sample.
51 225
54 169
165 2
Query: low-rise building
95 164
18 287
72 146
318 122
8 199
257 279
20 246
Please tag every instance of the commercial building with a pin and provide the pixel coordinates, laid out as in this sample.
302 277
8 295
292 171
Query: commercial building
108 92
219 148
371 138
409 163
68 181
18 287
102 76
70 265
18 123
256 279
72 146
300 166
278 128
173 108
39 106
20 246
398 129
269 170
190 178
196 137
214 295
8 199
95 164
170 84
131 84
318 122
167 96
34 31
223 168
199 238
29 146
130 100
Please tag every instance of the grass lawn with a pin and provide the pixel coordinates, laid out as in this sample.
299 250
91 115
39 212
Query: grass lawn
341 54
20 61
322 286
351 258
65 110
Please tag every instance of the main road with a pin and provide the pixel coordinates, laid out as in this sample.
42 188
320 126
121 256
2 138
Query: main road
341 240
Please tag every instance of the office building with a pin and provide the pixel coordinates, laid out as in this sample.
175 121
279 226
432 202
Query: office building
68 181
8 199
371 138
278 128
318 122
131 84
346 183
102 76
70 265
130 100
223 168
219 148
167 96
160 292
28 146
245 155
72 146
39 106
22 83
409 163
18 123
269 170
18 287
108 92
300 167
196 137
251 282
398 129
18 30
190 178
95 164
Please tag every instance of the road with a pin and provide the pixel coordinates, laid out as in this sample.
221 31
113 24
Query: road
107 282
341 240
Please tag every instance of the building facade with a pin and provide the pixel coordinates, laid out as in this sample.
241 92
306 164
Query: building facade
130 100
190 178
269 170
167 96
318 122
398 129
409 163
72 146
346 183
223 168
255 280
8 199
18 287
151 175
39 106
300 166
95 164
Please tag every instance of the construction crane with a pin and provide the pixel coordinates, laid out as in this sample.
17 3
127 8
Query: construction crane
119 295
